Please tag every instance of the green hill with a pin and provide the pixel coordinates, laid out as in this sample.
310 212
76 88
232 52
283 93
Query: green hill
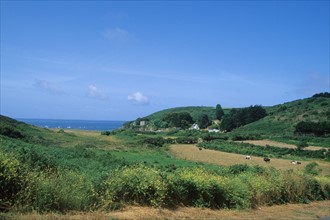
154 119
20 130
194 111
282 119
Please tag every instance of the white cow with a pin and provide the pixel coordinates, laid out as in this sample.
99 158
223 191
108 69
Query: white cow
248 157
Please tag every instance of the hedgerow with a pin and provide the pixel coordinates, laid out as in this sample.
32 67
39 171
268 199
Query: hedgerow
245 148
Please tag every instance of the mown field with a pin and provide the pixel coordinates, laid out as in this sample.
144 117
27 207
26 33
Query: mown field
278 144
71 171
194 153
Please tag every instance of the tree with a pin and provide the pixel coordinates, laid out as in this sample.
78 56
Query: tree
301 145
178 119
203 121
227 123
243 116
219 112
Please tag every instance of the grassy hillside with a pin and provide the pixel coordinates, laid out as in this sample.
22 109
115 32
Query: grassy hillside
194 111
282 119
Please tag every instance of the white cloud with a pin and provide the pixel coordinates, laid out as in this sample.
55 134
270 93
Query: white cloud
94 92
49 87
116 34
138 98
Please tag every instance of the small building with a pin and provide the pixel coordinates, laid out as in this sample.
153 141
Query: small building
142 123
214 130
194 127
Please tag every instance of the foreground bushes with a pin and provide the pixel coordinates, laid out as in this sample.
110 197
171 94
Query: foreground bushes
239 186
12 180
201 188
136 184
60 191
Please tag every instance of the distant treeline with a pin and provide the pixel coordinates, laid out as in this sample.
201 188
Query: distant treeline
313 128
322 94
243 116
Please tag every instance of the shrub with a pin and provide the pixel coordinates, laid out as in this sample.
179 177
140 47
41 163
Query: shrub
301 145
12 179
137 184
107 133
199 188
187 140
312 168
154 142
10 131
60 191
238 168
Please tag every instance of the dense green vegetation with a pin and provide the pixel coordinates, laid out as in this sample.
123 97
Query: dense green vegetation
47 170
243 116
313 128
161 119
219 113
267 151
281 120
177 119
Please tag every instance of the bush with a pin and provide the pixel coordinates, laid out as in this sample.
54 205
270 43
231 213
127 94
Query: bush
199 188
187 140
10 131
12 179
154 142
312 168
107 133
60 191
136 184
301 145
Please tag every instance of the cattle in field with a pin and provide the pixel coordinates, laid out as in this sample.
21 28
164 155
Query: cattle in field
266 159
248 157
295 162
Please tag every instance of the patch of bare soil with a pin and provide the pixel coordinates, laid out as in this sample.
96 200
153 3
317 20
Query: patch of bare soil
314 210
278 144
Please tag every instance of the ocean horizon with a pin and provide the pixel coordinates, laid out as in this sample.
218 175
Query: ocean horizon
97 125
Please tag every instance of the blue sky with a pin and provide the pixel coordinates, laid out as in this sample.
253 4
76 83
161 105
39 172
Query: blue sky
113 60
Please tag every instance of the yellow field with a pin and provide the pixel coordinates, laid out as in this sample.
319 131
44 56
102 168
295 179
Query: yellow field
278 144
191 152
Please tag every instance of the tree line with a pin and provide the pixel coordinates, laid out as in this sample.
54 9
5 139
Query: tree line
313 128
243 116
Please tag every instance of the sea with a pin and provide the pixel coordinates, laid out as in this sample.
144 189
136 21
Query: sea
74 124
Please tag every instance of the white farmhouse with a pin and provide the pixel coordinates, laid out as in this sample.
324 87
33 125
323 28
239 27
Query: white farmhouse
194 127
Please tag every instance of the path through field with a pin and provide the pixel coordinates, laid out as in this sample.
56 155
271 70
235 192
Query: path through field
191 152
